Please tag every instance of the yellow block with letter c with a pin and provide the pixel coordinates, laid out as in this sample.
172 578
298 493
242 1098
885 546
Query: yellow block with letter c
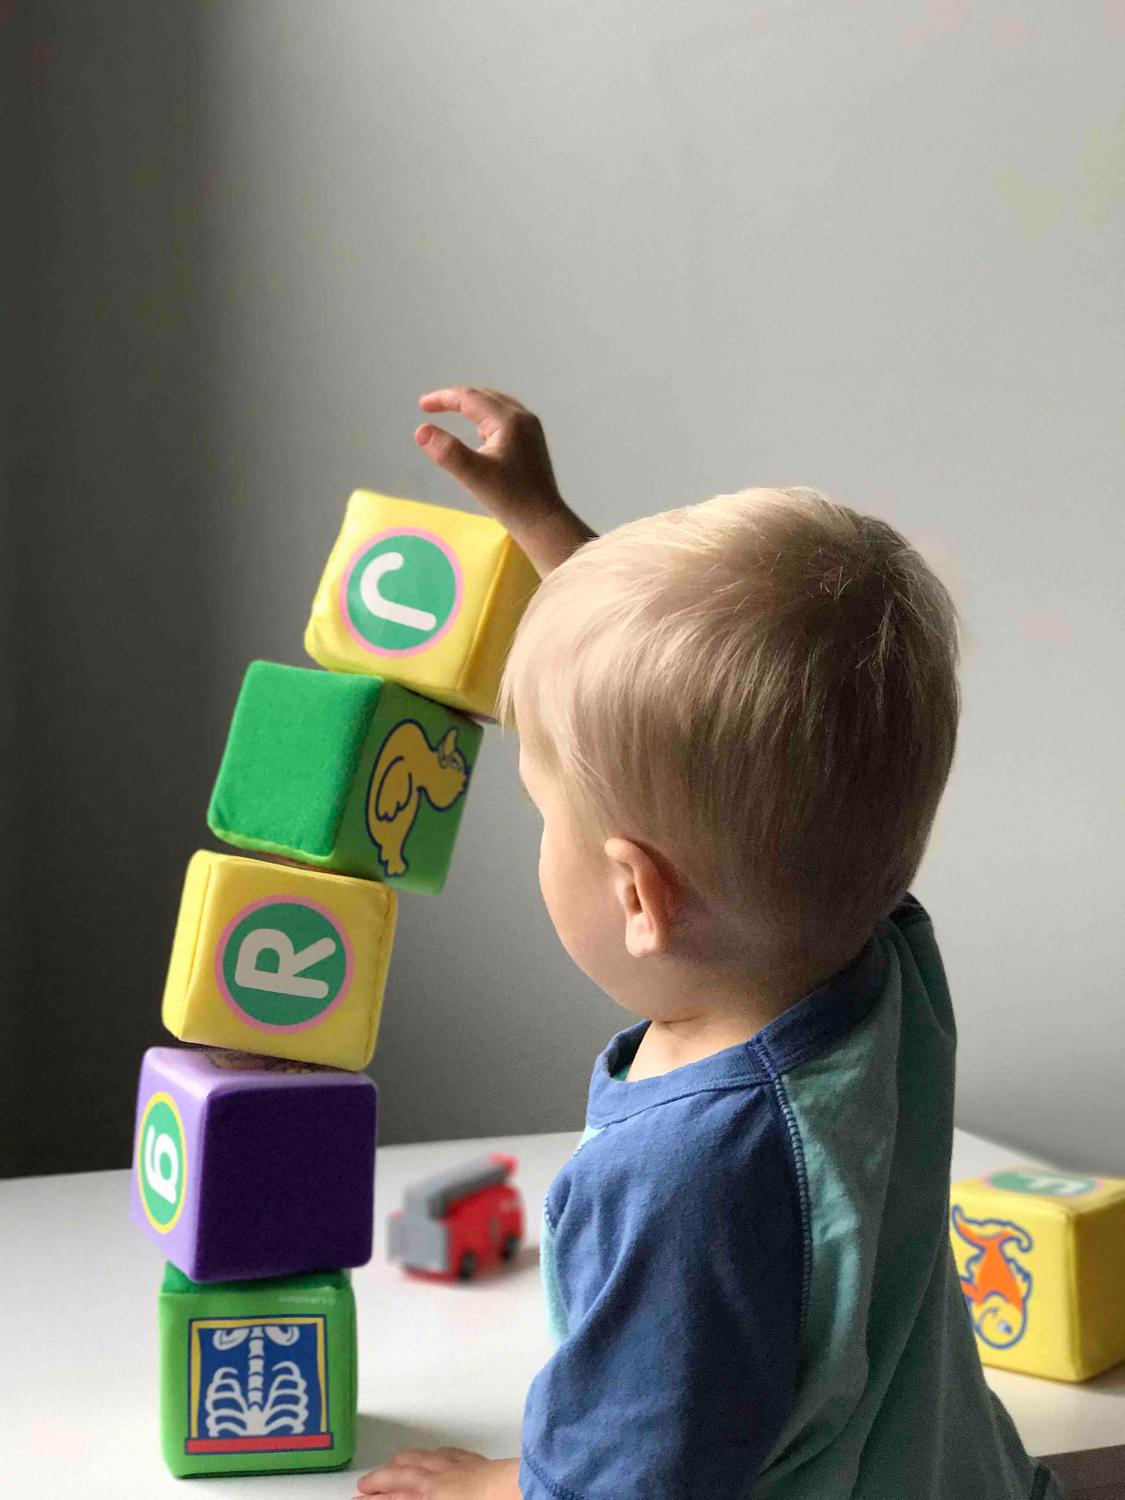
423 595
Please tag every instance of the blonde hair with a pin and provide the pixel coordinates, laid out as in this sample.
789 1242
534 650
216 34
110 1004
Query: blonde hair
762 687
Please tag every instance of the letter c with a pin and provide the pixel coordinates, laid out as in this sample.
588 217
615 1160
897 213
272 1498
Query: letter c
388 609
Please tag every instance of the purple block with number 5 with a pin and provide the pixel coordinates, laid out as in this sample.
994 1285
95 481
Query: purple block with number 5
246 1167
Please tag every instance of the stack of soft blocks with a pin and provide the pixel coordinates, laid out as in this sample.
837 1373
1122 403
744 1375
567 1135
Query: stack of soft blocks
255 1148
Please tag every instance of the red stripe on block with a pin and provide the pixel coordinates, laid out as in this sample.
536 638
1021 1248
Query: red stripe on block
258 1444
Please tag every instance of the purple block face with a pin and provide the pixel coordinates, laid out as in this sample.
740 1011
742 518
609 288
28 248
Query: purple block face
246 1167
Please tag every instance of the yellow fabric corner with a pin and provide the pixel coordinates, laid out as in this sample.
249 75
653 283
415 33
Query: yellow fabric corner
422 595
513 584
1041 1258
285 961
183 944
1100 1276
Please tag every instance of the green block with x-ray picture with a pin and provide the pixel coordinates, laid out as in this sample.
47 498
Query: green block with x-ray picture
353 774
257 1377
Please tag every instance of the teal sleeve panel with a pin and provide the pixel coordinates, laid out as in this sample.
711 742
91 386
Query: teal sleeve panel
549 1275
892 1403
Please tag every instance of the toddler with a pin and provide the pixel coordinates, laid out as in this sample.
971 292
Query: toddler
736 720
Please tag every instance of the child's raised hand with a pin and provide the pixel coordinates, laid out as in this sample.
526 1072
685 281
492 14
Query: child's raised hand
442 1474
510 474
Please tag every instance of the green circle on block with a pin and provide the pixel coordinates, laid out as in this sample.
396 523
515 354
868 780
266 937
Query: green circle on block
401 592
1043 1184
162 1163
284 964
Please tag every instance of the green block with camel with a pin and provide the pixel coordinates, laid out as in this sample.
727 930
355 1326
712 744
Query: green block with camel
348 773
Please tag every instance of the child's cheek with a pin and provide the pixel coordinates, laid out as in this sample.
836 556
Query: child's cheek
546 875
555 895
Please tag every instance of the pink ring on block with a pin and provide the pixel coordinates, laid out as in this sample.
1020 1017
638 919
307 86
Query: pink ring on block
224 939
459 590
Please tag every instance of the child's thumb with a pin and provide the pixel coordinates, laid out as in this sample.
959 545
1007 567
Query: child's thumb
451 454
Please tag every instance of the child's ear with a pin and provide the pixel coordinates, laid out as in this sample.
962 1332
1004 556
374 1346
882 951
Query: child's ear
648 891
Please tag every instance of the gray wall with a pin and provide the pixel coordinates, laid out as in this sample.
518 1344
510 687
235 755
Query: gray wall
872 247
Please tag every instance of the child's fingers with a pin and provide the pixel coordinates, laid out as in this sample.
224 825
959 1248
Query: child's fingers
390 1494
394 1482
386 1493
451 454
414 1468
483 407
430 1460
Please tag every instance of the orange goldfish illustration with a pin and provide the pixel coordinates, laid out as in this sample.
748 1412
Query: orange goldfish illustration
996 1286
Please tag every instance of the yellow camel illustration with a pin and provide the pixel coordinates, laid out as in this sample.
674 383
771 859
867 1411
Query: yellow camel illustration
408 766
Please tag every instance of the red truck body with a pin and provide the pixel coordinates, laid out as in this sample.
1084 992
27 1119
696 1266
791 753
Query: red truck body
459 1222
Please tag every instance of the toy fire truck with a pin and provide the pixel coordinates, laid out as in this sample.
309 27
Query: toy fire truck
455 1223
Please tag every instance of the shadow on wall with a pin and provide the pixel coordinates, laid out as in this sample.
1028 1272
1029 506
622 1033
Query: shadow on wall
110 534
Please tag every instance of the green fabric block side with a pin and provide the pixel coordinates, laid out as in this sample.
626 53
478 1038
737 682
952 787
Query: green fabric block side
291 756
269 846
326 1305
174 1280
413 776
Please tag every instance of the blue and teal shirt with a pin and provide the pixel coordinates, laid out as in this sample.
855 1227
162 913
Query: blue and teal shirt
748 1270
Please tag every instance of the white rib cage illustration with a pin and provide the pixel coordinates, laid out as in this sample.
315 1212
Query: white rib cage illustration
254 1412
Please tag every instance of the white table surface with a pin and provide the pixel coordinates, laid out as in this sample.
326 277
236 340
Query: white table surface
438 1363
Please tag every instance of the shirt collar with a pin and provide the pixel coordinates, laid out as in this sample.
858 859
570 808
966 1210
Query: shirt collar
807 1027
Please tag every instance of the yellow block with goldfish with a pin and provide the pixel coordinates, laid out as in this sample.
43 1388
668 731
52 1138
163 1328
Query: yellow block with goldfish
1041 1259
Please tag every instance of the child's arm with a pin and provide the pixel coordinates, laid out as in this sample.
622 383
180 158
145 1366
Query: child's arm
510 473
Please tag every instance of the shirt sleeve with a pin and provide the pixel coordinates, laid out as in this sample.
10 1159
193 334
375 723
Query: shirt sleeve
679 1253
